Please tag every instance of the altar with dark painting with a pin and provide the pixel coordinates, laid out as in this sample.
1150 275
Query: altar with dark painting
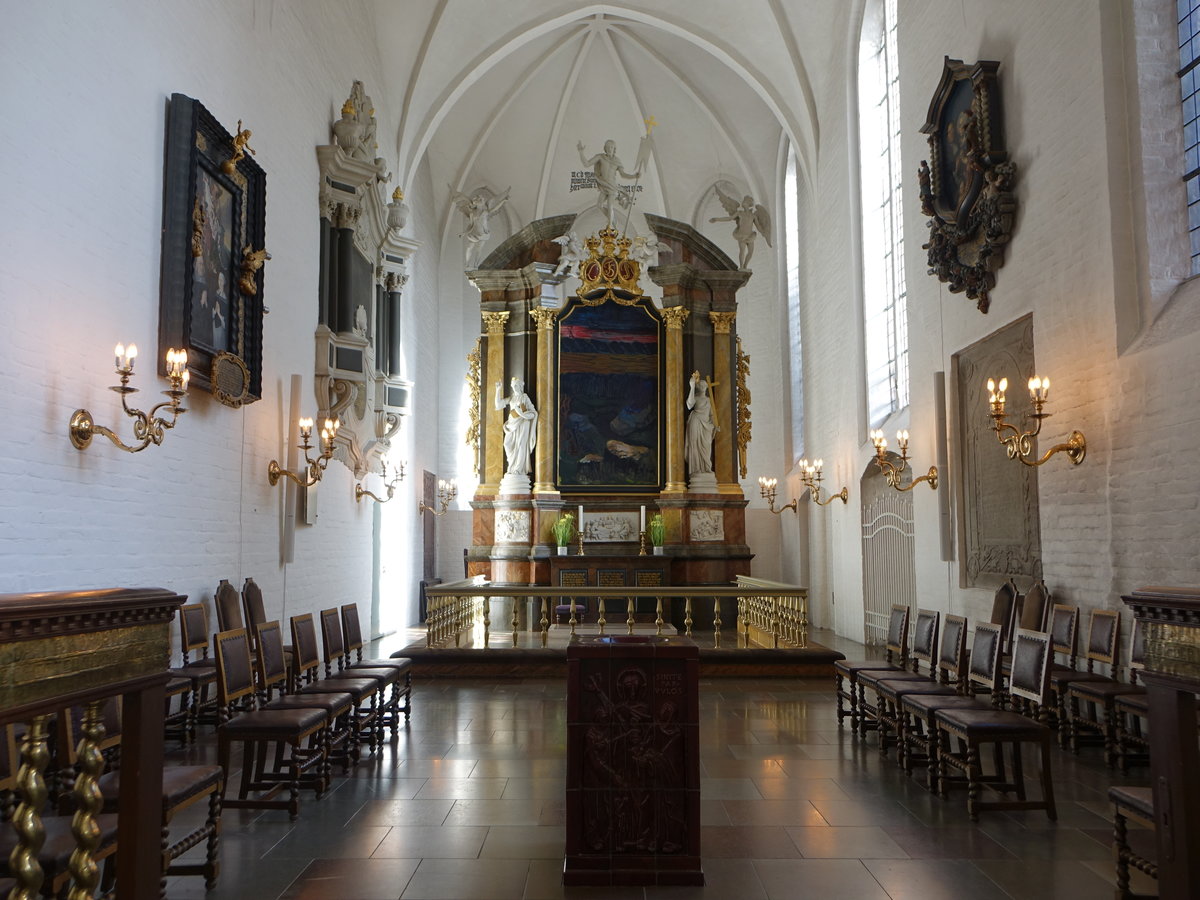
620 405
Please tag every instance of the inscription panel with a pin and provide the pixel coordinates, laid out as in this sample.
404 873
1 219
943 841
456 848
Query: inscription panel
999 534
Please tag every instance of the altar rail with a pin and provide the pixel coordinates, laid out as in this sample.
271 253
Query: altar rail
768 614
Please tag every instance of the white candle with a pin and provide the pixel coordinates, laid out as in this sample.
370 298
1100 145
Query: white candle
643 520
580 525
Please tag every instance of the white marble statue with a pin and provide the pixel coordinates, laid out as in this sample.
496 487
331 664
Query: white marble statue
478 210
607 166
701 427
520 430
571 255
747 218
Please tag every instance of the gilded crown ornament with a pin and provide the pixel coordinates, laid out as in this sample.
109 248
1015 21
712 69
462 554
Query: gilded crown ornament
608 268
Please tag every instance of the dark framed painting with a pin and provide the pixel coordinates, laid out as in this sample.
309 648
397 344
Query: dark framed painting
966 184
214 225
610 377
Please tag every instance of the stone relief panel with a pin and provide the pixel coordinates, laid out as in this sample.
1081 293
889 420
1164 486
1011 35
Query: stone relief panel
999 534
512 526
610 526
706 525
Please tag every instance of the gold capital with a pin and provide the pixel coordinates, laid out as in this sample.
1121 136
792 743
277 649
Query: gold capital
544 317
674 316
495 323
722 321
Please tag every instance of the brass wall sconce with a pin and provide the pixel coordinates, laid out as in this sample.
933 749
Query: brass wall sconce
390 486
1018 443
766 488
148 428
811 473
447 491
313 468
892 472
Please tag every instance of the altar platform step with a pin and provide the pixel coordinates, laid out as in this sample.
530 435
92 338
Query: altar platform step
529 659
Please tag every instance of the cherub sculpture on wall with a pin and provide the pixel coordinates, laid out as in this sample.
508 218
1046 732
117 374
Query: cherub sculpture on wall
478 210
751 219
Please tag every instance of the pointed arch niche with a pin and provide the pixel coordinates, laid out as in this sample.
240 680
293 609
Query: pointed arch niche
889 551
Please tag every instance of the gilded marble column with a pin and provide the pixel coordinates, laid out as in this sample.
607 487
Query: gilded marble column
493 434
673 434
723 375
543 472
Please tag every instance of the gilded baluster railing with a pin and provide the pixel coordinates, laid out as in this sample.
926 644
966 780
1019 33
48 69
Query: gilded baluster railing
88 801
687 616
629 616
27 821
516 621
804 621
487 622
658 616
716 621
545 623
600 620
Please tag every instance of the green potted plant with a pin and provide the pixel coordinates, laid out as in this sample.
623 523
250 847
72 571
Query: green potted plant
564 530
656 530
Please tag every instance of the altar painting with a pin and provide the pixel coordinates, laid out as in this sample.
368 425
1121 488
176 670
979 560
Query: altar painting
609 377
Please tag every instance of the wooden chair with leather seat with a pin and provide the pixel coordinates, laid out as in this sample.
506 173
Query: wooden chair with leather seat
391 674
951 664
924 651
1135 803
963 732
845 672
352 631
294 733
1091 704
273 677
1101 649
366 691
183 787
201 671
980 674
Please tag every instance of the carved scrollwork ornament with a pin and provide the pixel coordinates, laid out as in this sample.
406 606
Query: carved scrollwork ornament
966 187
473 386
744 427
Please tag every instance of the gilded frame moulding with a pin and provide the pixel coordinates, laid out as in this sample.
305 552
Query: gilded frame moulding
966 185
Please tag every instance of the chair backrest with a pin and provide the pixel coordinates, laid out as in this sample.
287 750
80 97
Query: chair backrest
1064 630
1137 650
235 675
193 629
1004 607
925 635
252 604
304 647
984 668
1030 677
332 644
1104 629
228 606
952 653
897 636
272 665
1034 607
70 729
352 630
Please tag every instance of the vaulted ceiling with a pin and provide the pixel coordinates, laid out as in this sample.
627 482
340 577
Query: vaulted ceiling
499 94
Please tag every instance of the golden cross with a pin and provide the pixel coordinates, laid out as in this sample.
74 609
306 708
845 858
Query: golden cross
650 123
